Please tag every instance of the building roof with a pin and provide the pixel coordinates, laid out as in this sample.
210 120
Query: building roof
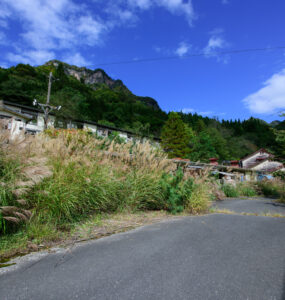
31 108
34 109
260 150
15 113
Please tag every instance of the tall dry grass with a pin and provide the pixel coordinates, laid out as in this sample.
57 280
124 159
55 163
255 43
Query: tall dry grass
64 175
12 185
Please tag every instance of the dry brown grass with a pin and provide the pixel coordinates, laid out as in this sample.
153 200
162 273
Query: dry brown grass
33 168
79 146
37 154
230 212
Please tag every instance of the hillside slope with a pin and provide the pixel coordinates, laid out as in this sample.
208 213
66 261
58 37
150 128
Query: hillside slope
83 94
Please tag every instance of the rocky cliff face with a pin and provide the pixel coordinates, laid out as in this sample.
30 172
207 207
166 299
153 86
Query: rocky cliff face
98 77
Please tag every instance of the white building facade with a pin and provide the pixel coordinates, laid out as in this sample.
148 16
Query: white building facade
31 120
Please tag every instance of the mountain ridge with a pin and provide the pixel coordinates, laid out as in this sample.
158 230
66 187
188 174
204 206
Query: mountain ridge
97 77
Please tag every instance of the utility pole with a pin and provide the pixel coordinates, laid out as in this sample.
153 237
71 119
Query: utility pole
47 108
49 87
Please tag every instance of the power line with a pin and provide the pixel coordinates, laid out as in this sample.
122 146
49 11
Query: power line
187 56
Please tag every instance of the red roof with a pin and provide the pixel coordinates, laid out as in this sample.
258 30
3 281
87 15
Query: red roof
182 159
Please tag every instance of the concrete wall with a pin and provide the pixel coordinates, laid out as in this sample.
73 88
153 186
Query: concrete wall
90 127
41 123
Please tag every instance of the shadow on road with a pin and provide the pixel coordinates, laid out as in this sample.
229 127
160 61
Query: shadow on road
277 204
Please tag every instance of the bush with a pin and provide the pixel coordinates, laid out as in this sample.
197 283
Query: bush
273 188
170 185
199 200
279 175
242 189
188 194
268 188
230 190
246 190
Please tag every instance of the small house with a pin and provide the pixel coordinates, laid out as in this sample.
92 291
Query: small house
262 161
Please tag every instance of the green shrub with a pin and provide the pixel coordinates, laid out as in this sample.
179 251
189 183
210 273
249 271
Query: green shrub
185 194
170 185
246 190
273 188
279 174
268 188
230 190
199 199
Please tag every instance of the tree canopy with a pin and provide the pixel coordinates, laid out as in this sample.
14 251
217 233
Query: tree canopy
174 137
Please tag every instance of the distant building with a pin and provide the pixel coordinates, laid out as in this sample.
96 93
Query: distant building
261 160
31 120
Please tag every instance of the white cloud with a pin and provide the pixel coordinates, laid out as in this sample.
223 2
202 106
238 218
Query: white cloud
203 113
182 49
75 59
3 65
178 7
142 4
90 30
188 110
55 23
54 26
157 49
31 57
4 11
216 43
269 99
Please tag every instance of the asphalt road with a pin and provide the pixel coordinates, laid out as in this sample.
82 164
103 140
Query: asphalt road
252 205
208 257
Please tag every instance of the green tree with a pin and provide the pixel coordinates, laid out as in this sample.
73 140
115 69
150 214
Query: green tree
219 144
202 147
280 139
174 137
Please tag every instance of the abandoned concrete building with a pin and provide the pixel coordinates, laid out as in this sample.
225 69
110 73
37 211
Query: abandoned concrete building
31 120
261 160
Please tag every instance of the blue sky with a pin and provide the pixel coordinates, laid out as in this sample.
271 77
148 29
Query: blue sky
92 32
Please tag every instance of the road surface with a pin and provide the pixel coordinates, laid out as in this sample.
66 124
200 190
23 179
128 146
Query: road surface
215 256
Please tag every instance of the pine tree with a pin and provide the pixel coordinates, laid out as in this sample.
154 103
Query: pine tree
174 137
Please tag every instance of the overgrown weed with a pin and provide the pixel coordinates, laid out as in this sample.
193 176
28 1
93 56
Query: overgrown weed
70 175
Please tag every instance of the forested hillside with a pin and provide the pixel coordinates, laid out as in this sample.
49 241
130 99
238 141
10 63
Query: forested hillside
92 95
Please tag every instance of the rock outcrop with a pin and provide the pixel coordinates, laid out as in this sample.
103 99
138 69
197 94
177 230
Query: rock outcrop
99 77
